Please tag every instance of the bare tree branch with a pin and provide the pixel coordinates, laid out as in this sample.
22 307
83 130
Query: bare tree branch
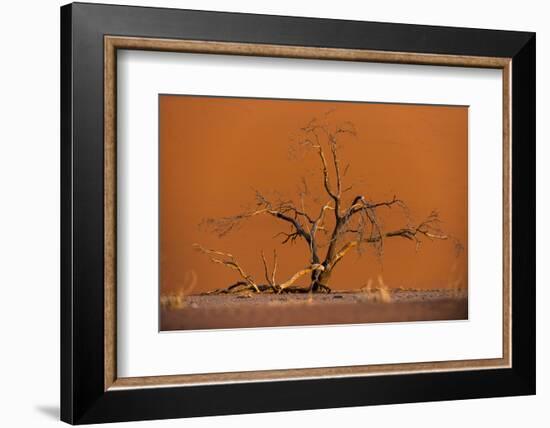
427 228
228 260
299 274
273 280
267 278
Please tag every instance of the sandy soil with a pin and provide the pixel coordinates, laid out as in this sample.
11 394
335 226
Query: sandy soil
271 310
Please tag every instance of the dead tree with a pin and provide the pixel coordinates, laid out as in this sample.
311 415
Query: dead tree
355 221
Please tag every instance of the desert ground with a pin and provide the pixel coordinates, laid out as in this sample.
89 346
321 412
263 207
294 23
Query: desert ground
219 311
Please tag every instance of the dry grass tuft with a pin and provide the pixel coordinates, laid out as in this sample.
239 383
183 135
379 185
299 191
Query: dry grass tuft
172 301
177 300
381 294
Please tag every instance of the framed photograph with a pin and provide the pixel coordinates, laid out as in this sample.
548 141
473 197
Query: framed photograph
265 213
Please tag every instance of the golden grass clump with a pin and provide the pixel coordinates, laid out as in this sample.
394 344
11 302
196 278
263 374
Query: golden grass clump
177 300
381 294
172 301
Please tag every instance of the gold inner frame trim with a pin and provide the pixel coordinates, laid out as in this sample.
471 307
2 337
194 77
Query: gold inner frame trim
113 43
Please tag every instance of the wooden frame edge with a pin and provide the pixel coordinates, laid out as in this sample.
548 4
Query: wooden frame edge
507 212
112 43
301 52
299 374
109 214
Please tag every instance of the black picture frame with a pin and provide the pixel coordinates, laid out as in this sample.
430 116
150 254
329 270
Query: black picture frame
83 396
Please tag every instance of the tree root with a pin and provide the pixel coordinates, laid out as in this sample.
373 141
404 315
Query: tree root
241 287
